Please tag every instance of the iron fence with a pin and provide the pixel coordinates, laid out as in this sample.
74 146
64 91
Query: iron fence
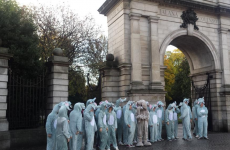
204 91
26 102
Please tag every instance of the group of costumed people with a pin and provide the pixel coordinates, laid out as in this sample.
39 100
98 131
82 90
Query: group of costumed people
107 125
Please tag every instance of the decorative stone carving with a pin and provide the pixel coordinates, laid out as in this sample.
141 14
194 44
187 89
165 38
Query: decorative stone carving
189 17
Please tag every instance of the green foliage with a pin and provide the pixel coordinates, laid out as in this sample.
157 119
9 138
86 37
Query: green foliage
18 33
177 82
172 61
182 86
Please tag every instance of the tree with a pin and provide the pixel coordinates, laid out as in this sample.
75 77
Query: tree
80 38
182 87
172 61
77 88
18 33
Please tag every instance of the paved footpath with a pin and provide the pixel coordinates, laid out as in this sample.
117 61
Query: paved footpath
217 141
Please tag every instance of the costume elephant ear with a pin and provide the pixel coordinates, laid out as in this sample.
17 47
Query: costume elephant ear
123 100
144 104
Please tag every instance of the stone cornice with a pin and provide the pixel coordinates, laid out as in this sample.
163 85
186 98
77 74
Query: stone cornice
218 9
108 4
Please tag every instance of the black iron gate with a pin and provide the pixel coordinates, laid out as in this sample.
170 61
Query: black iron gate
204 91
26 102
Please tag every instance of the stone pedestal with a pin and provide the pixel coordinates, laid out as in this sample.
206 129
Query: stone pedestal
4 125
110 81
57 81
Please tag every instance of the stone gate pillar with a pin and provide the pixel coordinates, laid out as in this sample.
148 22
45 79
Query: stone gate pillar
57 79
4 125
155 73
136 72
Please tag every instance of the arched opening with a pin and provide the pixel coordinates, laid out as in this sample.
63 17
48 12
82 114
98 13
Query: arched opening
204 65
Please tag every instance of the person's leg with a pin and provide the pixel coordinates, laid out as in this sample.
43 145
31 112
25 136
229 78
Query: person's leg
103 139
113 138
151 134
200 126
140 133
175 128
172 130
119 130
125 134
205 128
155 132
159 129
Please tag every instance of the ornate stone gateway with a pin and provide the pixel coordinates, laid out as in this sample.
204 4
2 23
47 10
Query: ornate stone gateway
139 33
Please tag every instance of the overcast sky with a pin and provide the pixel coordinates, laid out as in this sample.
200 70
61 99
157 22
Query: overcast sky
81 7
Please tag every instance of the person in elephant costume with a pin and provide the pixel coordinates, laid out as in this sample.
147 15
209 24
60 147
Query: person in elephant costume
102 126
185 116
160 118
51 124
195 118
129 121
142 123
169 122
202 113
76 127
90 126
111 119
120 119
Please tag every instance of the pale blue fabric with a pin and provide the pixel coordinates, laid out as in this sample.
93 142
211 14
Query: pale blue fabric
90 101
134 110
120 118
90 126
62 130
102 124
153 125
195 118
169 119
51 127
160 118
185 116
96 119
202 113
76 124
175 117
129 119
125 128
66 116
111 119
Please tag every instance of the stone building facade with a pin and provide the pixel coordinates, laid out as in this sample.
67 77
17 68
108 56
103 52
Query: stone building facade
139 33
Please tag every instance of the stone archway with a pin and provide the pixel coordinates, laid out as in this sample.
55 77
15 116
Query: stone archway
203 58
195 47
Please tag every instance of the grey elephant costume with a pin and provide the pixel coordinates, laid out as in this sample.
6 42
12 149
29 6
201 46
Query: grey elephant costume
142 123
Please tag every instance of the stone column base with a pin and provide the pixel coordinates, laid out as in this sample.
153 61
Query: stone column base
156 86
152 96
4 125
137 85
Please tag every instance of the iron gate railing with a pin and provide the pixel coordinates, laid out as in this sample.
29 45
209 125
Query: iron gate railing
26 102
204 91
